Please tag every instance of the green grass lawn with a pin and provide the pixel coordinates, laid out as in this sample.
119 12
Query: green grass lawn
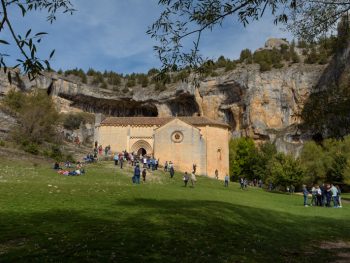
102 217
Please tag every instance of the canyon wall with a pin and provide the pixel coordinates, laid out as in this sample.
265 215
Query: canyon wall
261 105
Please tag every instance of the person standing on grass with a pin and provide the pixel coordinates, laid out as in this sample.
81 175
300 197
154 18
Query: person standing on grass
328 195
166 166
121 161
144 173
314 195
186 178
241 182
339 196
245 182
194 166
116 159
216 174
319 196
334 191
226 180
305 194
137 174
171 171
193 179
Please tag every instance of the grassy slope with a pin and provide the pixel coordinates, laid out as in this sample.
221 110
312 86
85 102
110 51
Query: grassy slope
102 217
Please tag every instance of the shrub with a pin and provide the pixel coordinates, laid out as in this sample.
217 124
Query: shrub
98 78
221 62
56 153
181 75
15 100
230 65
131 83
125 90
103 85
159 86
312 57
114 79
264 66
72 121
142 79
246 56
2 143
37 117
31 147
152 71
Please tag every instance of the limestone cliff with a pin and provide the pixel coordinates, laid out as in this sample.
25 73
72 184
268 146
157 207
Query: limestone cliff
265 106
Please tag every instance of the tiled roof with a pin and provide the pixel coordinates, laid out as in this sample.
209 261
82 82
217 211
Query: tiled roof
159 121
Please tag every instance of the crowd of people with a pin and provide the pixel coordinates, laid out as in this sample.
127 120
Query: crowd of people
69 169
323 195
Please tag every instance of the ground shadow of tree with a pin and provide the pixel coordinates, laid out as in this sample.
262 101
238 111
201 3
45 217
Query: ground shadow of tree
148 230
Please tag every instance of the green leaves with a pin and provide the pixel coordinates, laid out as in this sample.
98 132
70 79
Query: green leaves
29 62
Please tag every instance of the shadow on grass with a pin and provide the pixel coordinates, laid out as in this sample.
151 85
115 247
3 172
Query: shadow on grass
147 230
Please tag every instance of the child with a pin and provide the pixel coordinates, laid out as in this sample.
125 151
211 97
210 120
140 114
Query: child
186 178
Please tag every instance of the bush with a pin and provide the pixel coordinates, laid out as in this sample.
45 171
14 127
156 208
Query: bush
72 121
246 56
125 90
15 100
56 153
131 83
2 143
159 86
264 66
142 79
31 147
104 85
230 65
37 116
152 72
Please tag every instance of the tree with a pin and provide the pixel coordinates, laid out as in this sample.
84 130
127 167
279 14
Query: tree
26 44
183 19
244 158
285 171
37 117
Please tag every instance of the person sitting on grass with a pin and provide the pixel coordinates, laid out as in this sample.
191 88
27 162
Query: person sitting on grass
56 166
305 194
186 178
226 180
144 173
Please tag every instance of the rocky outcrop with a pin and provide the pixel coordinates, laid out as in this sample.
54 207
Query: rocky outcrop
265 106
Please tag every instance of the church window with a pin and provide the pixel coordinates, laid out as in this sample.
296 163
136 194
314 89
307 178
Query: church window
177 137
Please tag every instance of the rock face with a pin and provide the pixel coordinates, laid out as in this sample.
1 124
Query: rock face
264 106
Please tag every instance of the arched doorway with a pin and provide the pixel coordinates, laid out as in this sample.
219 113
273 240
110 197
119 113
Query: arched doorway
142 147
142 152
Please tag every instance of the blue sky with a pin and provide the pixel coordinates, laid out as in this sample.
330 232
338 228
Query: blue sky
110 35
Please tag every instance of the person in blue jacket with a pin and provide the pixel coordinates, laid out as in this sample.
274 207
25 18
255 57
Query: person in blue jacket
305 194
137 174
